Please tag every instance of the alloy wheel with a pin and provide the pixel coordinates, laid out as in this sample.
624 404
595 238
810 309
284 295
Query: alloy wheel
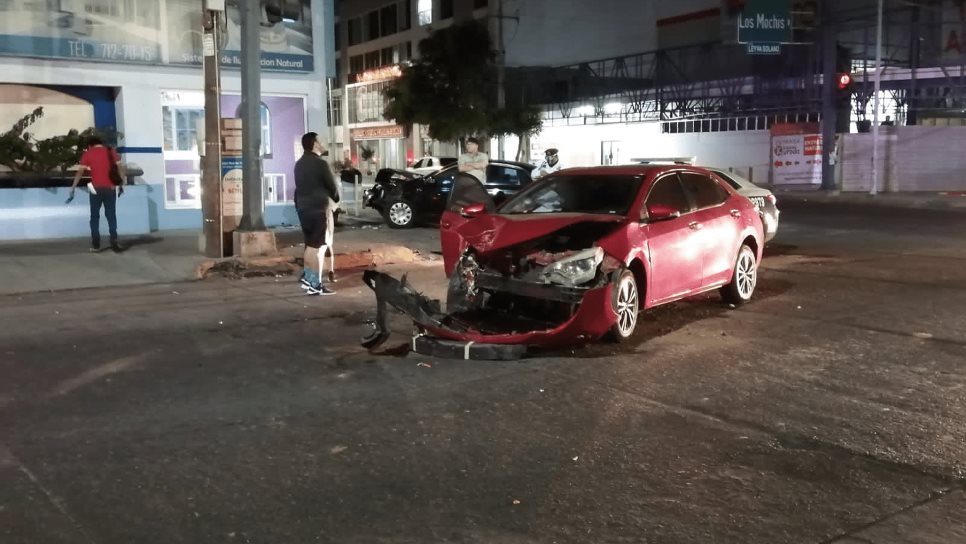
627 305
401 213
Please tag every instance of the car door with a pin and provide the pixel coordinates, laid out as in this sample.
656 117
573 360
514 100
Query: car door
434 191
719 225
674 251
466 190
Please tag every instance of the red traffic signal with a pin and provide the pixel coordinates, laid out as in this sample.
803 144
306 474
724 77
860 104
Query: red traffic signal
844 81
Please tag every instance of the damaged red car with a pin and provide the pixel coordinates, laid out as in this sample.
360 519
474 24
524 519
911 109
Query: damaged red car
578 255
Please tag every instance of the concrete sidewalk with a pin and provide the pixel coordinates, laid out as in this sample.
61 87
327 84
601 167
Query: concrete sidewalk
174 256
924 201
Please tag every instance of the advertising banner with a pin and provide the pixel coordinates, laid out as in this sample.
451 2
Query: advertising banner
796 154
157 32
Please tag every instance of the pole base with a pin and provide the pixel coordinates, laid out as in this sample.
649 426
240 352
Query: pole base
256 243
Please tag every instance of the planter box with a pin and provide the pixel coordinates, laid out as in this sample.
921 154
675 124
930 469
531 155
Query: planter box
43 180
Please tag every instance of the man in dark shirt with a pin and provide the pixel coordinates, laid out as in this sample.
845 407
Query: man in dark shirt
314 186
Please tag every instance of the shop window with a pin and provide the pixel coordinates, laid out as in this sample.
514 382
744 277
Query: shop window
405 22
180 128
277 189
355 31
373 60
372 26
425 8
446 9
389 17
266 120
357 63
388 56
182 191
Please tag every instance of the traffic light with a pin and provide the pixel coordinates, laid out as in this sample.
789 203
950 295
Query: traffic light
844 82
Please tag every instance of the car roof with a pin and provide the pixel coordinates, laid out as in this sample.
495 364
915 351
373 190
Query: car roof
524 165
627 170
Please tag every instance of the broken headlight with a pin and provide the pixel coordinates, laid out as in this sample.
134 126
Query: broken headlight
576 269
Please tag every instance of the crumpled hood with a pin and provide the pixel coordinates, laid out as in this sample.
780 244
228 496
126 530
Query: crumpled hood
492 231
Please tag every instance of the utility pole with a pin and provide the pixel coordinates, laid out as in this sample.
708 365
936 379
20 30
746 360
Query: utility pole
500 74
875 102
253 201
213 238
829 110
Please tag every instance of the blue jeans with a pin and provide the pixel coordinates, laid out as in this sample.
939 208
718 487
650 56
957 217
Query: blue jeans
107 198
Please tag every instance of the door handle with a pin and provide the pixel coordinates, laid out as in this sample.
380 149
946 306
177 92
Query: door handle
735 213
694 225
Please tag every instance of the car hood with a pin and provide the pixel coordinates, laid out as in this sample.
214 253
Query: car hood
494 231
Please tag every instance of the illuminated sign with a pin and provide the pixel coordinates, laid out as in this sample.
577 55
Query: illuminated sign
378 74
378 133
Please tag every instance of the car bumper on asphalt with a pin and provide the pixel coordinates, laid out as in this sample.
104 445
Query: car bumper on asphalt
592 318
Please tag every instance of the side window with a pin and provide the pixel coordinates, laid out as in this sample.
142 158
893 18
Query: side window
703 191
445 179
431 163
667 191
503 175
466 190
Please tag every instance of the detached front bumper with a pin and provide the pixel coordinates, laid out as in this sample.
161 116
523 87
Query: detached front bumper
592 319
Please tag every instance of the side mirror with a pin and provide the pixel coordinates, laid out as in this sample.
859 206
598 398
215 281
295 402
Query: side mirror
661 212
473 210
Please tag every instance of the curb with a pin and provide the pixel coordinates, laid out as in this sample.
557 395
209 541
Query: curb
236 267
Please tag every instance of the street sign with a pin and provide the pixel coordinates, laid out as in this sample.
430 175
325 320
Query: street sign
764 48
765 22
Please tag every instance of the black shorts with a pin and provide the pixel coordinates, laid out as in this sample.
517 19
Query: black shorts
313 227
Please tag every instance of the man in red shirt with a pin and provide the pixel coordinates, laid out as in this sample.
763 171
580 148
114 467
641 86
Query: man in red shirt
98 159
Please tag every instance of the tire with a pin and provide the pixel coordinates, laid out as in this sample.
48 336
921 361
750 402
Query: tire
626 301
399 214
744 278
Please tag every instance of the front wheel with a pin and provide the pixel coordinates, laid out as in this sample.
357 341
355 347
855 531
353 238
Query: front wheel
399 214
744 280
626 303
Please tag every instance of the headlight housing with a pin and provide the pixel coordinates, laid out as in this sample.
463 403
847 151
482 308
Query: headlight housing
576 269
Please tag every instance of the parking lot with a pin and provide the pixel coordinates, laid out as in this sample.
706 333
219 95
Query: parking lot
830 409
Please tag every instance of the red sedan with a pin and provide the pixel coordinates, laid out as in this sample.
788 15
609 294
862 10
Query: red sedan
578 255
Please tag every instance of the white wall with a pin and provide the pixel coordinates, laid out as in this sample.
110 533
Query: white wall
581 146
560 32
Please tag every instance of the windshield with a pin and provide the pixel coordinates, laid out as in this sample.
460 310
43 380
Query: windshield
608 195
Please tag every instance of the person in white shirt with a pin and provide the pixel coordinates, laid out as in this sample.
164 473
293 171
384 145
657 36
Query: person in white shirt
474 162
550 164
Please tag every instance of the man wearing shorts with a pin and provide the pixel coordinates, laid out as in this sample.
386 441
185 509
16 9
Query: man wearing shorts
314 186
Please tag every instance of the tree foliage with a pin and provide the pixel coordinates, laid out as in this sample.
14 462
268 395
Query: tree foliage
452 88
21 152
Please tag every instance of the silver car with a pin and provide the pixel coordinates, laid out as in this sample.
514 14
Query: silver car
763 199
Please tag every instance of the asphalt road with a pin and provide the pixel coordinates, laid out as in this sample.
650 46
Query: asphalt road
831 409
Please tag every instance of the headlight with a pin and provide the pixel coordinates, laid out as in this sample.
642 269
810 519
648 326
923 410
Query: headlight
576 269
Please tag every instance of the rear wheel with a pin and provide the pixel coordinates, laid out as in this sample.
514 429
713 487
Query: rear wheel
744 280
626 303
399 214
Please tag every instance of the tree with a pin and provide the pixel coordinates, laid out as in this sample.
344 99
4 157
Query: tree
451 88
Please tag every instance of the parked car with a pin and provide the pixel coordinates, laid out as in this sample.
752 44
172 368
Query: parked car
405 199
427 165
763 199
579 254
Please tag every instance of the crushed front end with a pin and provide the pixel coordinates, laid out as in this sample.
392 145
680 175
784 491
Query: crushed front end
547 292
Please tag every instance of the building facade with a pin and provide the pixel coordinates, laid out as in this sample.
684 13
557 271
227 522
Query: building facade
135 65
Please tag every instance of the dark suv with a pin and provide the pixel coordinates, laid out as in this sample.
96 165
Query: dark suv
405 200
